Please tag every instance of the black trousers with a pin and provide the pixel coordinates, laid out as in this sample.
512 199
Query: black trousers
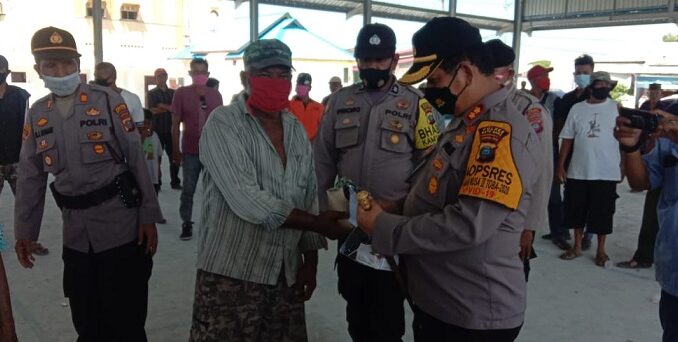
108 293
374 302
166 143
430 329
648 228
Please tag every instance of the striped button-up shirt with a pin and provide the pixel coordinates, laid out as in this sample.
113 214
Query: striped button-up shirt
248 194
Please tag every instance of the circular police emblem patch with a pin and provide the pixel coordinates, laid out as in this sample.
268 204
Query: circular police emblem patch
375 40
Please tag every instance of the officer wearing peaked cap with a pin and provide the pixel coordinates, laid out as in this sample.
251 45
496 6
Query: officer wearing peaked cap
462 219
84 136
374 133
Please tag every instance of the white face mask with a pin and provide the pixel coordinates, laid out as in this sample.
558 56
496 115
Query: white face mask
62 86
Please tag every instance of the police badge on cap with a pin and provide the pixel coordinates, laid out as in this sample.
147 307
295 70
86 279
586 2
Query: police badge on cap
52 42
375 41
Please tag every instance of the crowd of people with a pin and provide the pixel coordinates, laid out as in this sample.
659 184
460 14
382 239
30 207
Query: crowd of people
453 207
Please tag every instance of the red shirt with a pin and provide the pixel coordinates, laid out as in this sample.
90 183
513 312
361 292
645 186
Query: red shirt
309 115
187 105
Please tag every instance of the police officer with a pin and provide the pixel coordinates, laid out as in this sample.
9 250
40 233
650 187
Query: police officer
373 133
85 137
466 210
540 120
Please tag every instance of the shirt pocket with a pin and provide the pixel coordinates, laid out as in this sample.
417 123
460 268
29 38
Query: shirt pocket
433 185
95 145
45 147
396 135
346 130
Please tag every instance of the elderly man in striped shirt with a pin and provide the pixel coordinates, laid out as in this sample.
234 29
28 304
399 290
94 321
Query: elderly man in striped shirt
257 247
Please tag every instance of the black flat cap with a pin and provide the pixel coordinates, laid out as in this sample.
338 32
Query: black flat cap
375 41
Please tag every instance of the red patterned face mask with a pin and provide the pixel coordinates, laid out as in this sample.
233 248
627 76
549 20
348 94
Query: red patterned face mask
269 95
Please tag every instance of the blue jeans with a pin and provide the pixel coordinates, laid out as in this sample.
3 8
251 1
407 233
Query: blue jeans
668 315
191 168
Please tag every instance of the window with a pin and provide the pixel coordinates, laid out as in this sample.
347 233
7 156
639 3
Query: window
90 11
129 12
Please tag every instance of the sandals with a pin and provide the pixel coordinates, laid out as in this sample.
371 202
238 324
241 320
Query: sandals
601 259
633 264
569 255
38 249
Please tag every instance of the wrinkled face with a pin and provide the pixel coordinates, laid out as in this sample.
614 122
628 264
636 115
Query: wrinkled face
57 67
280 72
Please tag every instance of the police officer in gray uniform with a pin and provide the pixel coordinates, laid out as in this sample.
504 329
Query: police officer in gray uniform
540 120
374 133
85 137
467 208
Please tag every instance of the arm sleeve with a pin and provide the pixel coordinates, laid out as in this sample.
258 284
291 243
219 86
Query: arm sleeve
325 154
224 157
177 104
137 109
30 191
653 163
465 223
130 144
537 217
311 241
153 99
569 130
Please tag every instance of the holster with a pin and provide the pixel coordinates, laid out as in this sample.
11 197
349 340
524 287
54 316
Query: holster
123 185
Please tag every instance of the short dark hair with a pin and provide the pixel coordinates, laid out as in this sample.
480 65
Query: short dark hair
212 82
584 60
478 55
107 65
199 60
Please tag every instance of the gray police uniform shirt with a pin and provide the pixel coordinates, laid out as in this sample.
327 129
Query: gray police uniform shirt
464 216
374 144
542 123
84 154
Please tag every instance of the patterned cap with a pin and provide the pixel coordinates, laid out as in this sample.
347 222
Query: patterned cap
52 42
265 53
304 79
601 76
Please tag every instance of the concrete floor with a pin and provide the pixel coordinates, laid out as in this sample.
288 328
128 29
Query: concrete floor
567 301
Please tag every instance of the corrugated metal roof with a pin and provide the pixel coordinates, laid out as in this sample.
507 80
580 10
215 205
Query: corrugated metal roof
561 14
387 10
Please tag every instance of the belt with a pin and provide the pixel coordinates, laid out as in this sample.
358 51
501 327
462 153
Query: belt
90 199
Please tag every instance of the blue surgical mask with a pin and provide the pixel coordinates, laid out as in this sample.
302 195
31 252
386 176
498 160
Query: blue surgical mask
582 80
62 86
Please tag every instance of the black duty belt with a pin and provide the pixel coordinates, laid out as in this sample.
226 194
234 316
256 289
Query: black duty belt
123 185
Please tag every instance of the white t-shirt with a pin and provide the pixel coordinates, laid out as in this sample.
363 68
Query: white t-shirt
152 152
133 105
596 153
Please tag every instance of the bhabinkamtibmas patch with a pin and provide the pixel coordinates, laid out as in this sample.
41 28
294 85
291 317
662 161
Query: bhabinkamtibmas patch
426 131
491 172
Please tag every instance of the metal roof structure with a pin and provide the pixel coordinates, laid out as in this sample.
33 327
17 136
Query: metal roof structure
305 45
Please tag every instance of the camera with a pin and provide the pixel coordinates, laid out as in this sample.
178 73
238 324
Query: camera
641 119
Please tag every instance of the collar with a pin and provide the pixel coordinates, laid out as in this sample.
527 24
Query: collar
394 88
479 110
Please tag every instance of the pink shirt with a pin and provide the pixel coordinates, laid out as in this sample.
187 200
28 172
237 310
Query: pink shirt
193 113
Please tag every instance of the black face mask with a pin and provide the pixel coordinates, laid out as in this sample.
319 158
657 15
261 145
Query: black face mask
101 82
374 78
3 77
442 98
600 93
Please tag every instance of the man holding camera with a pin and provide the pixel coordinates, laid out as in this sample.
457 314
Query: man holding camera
659 168
594 170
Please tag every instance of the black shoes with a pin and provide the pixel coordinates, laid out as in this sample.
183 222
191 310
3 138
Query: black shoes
186 231
176 186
